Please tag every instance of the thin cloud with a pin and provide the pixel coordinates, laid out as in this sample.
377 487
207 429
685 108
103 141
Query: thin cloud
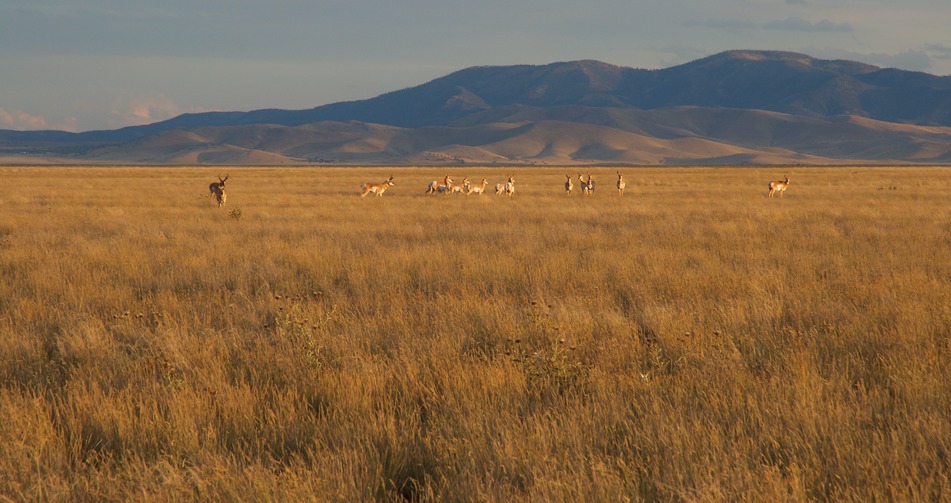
792 24
139 110
802 25
15 119
727 24
938 51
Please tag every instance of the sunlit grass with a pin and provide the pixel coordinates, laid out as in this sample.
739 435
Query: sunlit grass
691 340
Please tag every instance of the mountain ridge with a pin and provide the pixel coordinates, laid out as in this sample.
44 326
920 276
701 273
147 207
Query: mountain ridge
759 106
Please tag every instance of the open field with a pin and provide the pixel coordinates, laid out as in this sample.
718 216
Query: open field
692 340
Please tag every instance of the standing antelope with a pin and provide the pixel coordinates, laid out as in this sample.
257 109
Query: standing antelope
457 189
508 188
586 186
620 184
377 188
478 189
778 186
568 185
434 186
217 190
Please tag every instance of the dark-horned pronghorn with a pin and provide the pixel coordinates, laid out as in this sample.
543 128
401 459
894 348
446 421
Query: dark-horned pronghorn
569 185
217 190
620 184
376 188
778 186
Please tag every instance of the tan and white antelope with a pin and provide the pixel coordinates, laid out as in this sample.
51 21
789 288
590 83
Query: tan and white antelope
477 189
569 185
435 186
620 184
587 187
376 188
221 197
217 190
459 189
778 186
507 188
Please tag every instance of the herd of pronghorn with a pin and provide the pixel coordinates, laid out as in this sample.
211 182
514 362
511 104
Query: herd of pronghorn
448 186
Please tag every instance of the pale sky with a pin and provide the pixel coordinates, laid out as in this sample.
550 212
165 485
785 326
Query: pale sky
80 65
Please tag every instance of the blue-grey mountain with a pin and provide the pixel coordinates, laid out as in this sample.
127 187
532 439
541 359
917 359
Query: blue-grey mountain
733 107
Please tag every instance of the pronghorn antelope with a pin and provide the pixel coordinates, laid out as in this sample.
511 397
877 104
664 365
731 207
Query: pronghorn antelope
587 187
620 184
568 185
376 188
458 189
221 196
435 187
478 189
217 190
778 186
508 188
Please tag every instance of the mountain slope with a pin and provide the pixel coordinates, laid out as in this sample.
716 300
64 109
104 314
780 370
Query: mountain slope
565 135
736 106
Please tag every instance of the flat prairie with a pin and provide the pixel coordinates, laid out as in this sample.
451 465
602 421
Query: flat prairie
691 340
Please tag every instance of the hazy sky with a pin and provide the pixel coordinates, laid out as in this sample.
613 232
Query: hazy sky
80 65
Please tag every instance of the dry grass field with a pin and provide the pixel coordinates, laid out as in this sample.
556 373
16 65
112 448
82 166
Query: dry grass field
692 340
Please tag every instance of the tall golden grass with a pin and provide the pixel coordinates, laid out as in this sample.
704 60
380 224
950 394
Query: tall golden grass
692 340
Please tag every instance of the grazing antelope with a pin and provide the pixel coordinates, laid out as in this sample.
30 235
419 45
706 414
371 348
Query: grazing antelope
568 185
217 190
778 186
377 188
478 189
457 189
435 187
620 184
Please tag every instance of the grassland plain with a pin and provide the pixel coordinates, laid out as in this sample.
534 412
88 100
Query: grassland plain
692 340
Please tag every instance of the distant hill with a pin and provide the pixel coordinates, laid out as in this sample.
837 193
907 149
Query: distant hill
734 107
